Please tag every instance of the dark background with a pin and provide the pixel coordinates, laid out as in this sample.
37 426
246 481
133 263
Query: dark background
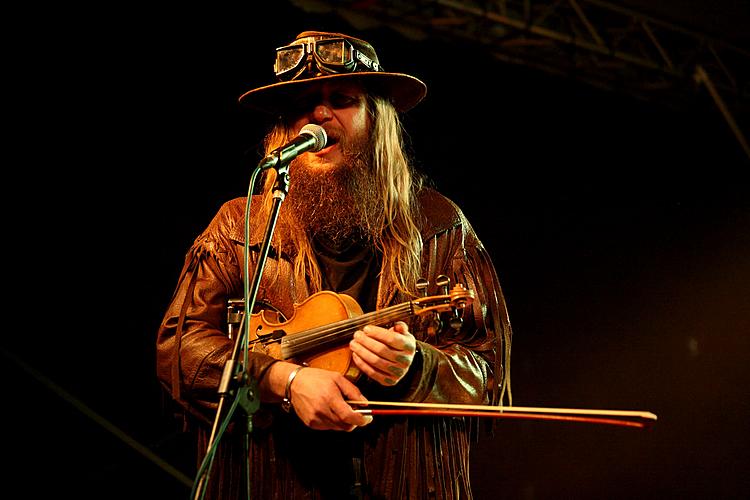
619 229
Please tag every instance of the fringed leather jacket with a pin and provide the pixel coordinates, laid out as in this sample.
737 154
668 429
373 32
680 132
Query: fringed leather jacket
394 457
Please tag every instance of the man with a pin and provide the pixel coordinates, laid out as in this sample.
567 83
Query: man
358 221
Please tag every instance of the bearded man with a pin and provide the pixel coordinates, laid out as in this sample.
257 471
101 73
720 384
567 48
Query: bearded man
360 222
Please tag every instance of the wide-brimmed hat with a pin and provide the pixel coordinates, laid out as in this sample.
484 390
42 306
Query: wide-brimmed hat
316 56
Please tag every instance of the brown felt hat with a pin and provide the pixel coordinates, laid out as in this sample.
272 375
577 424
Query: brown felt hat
316 56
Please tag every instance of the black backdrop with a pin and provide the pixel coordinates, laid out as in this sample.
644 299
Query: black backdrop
619 229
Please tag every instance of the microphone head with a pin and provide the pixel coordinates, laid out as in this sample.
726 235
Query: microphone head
318 133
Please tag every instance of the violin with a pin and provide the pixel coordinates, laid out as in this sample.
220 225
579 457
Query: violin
318 332
318 335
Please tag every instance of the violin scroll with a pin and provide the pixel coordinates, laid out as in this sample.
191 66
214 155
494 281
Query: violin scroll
451 301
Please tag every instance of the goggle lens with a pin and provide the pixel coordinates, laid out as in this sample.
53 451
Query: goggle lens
334 52
288 58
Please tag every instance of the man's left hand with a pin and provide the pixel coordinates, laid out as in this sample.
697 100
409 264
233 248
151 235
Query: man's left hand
384 355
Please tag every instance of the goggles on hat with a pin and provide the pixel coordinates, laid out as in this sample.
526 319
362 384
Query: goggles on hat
332 55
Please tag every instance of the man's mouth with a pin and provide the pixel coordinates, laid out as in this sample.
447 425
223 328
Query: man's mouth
330 143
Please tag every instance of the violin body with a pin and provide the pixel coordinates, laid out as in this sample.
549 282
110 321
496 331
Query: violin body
318 310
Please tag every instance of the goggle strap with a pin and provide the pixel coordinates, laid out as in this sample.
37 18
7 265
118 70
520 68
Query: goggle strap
366 60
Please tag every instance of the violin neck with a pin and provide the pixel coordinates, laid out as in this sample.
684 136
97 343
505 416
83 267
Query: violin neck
332 335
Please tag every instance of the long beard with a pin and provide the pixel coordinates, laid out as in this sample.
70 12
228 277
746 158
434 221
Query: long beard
340 203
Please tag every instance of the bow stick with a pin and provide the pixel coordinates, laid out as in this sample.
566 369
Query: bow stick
625 418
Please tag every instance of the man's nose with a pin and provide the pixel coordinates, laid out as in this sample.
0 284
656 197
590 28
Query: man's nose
321 113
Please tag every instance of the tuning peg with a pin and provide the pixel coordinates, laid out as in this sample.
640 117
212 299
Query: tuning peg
456 322
434 325
422 285
443 282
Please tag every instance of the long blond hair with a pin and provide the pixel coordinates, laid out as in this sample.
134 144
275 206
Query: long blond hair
396 231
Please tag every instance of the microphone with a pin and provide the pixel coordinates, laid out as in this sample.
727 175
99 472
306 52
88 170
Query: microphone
310 138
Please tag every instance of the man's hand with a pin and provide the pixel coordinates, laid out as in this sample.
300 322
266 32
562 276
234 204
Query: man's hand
319 399
384 355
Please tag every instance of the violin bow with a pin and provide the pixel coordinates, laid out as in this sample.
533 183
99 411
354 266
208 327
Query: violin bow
624 418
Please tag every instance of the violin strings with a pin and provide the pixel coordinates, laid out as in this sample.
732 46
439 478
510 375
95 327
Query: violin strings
295 344
340 329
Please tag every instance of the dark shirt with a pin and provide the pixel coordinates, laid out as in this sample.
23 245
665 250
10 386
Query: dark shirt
351 267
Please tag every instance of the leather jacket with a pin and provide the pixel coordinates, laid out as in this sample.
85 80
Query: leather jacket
395 457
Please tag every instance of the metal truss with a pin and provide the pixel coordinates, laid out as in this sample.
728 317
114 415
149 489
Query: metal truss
592 41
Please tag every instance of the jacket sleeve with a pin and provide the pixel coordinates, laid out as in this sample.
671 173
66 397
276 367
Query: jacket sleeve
192 343
469 365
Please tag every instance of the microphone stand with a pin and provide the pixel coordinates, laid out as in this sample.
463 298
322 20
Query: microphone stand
235 371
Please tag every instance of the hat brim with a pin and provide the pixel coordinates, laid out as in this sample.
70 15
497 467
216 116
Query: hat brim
405 91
